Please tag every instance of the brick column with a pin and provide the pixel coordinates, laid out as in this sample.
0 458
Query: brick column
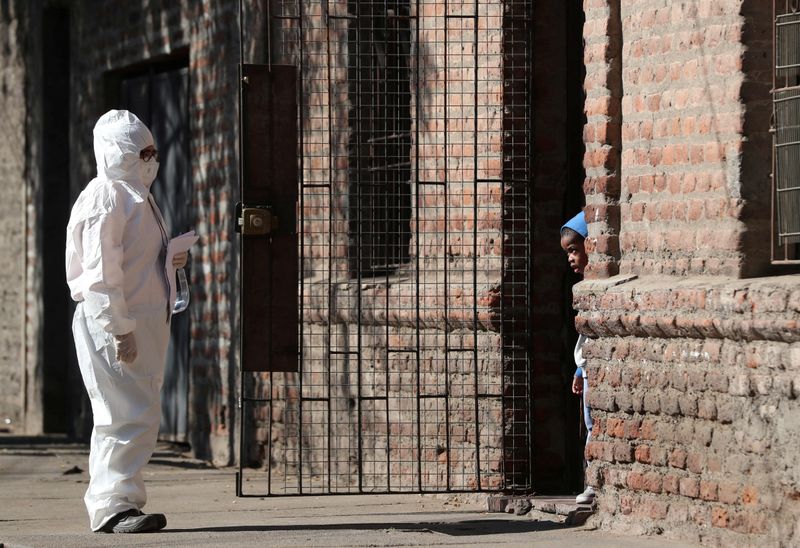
602 34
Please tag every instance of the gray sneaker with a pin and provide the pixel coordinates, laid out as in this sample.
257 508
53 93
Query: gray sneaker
134 521
587 497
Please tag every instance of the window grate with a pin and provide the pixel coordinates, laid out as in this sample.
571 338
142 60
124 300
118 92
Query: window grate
787 50
379 48
786 133
787 164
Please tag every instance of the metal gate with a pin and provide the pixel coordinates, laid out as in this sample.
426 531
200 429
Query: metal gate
414 152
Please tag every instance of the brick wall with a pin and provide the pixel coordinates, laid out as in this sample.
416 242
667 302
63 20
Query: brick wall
682 138
692 369
109 36
693 386
12 215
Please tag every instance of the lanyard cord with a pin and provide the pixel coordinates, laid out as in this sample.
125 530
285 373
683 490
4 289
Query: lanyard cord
154 208
163 255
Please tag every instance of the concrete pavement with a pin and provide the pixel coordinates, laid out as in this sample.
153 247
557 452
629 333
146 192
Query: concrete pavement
42 485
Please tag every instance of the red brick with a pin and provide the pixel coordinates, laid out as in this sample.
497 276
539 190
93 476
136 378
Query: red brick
719 517
643 454
671 484
708 490
689 487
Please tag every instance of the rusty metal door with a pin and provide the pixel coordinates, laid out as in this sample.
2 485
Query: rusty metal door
412 145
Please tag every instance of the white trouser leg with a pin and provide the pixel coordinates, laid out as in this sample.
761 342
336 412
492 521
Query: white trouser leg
126 406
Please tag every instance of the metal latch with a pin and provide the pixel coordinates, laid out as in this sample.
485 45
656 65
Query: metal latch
256 221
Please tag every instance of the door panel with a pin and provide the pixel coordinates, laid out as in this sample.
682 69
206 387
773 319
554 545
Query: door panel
160 100
269 179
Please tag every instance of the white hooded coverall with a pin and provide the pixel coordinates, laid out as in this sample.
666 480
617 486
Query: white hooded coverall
115 249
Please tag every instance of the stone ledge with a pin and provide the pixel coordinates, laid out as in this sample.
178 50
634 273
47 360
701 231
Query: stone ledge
698 307
575 514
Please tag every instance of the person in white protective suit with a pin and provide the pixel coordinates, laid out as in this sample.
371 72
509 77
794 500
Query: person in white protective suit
115 253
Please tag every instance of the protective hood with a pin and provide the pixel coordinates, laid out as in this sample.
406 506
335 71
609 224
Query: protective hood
119 136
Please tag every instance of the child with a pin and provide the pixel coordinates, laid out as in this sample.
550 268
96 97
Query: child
573 234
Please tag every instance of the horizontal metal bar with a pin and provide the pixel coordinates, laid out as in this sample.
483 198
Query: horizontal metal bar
790 189
394 492
389 166
345 17
343 352
433 396
316 185
392 137
413 350
460 16
433 183
786 90
373 398
459 349
256 400
309 398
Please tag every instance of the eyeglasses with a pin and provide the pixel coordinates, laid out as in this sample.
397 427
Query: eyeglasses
149 154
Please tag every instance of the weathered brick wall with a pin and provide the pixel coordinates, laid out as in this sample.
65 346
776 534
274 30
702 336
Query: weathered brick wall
110 36
693 386
602 139
692 379
12 215
682 137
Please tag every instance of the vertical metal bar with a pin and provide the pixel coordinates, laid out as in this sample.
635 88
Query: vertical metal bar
444 255
268 32
242 427
773 228
385 257
475 246
301 368
359 246
329 326
418 117
529 60
268 55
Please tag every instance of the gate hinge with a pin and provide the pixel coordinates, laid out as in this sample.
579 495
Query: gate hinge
252 220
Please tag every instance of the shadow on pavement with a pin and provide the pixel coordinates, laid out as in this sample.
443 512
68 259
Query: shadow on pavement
457 528
189 465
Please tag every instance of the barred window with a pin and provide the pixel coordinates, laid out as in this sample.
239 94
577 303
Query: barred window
379 44
786 133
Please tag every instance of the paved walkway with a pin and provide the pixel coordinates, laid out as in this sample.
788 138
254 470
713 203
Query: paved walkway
41 505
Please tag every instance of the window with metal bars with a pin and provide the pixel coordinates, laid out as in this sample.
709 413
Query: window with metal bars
379 47
786 133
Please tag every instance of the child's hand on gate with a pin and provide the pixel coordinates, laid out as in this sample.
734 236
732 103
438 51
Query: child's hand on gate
577 385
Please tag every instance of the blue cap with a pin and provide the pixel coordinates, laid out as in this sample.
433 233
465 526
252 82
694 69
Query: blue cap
578 224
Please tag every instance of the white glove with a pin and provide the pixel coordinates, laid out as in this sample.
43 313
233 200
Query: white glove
125 345
179 259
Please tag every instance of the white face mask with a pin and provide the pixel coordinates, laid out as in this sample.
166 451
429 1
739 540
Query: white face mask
149 170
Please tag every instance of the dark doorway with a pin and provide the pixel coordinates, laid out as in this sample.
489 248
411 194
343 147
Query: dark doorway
159 96
58 353
573 202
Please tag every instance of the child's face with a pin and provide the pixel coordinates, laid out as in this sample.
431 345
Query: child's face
572 244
